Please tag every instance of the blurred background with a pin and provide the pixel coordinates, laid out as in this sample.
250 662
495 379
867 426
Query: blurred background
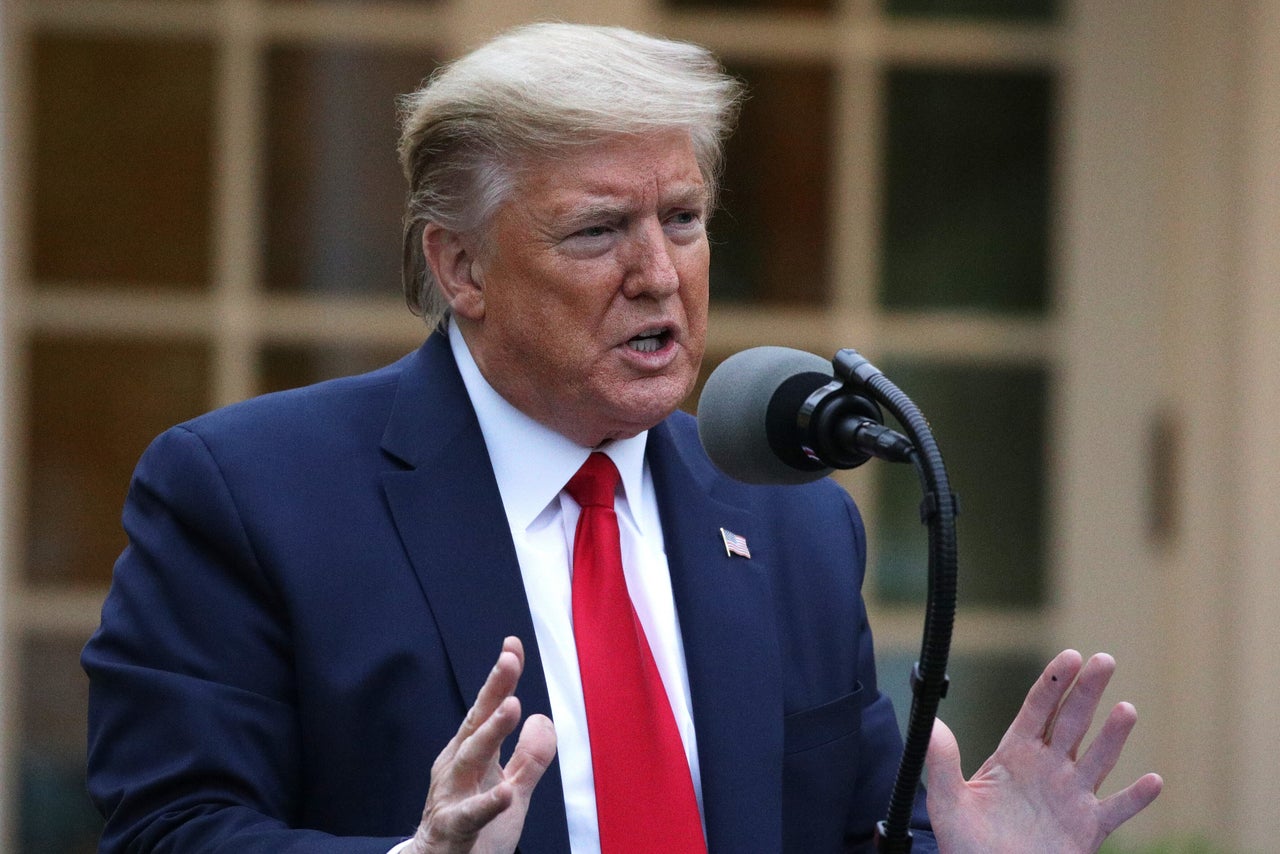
1054 223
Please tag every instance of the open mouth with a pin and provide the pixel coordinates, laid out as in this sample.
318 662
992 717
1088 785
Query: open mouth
650 342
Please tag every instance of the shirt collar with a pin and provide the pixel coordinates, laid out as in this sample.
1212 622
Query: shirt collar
532 462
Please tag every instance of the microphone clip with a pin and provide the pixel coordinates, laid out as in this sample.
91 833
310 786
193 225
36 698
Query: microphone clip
838 426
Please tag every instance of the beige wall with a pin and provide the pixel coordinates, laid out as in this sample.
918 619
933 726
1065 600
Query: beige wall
1174 305
1255 666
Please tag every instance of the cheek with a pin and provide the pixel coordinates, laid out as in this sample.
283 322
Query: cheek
695 271
561 336
694 298
696 318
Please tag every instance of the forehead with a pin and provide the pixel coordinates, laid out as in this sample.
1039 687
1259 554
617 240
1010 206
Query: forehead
655 168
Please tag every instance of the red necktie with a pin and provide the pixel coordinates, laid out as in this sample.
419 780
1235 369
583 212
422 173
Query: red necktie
644 794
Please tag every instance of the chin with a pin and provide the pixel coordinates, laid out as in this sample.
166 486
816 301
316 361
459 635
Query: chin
637 406
649 413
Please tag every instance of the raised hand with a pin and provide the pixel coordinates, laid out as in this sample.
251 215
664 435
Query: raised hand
1037 792
475 805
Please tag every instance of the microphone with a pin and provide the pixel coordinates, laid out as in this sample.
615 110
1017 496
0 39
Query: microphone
773 415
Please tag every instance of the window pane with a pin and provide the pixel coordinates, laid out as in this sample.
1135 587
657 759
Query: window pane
334 191
282 367
967 196
769 239
765 5
95 406
986 692
989 422
351 2
121 160
1010 10
54 813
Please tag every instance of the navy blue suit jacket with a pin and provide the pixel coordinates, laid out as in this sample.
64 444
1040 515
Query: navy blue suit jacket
317 583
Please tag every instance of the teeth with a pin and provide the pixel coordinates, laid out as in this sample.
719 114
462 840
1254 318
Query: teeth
649 343
645 345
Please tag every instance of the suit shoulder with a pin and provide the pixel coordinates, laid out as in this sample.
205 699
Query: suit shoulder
329 405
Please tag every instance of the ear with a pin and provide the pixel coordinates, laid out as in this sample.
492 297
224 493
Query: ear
454 263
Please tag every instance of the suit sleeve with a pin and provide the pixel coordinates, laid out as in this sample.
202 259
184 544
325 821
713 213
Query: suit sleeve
193 718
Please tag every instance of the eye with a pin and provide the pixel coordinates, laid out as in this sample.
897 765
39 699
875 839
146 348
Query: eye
684 218
590 241
684 225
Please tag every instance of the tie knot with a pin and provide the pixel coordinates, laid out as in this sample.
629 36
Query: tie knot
595 482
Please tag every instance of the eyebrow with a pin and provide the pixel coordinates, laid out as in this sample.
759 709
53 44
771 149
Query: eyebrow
604 208
687 195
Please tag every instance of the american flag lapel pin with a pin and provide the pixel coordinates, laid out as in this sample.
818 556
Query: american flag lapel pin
735 544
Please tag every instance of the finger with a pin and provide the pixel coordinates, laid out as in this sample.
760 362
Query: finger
479 752
1076 713
533 754
515 646
500 684
1125 804
1102 755
1036 715
946 779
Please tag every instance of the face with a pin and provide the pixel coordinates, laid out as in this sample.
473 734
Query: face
586 307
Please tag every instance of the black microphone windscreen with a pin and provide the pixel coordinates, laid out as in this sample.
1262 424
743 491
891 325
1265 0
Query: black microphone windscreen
733 413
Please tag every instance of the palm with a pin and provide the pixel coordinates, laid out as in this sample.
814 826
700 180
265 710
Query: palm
475 805
1037 792
461 795
533 753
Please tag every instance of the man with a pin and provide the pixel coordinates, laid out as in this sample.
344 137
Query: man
300 638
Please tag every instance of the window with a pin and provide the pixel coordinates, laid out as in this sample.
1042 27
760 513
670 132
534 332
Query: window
211 208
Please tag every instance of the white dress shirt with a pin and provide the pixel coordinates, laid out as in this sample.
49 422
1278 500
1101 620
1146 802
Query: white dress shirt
532 463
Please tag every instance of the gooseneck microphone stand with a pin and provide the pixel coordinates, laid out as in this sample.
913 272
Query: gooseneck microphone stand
938 511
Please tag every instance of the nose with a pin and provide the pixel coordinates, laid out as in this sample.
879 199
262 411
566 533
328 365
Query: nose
651 264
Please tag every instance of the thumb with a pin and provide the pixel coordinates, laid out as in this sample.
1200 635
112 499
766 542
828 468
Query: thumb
943 764
534 751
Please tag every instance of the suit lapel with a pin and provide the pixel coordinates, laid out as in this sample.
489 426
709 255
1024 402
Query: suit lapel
728 627
449 514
